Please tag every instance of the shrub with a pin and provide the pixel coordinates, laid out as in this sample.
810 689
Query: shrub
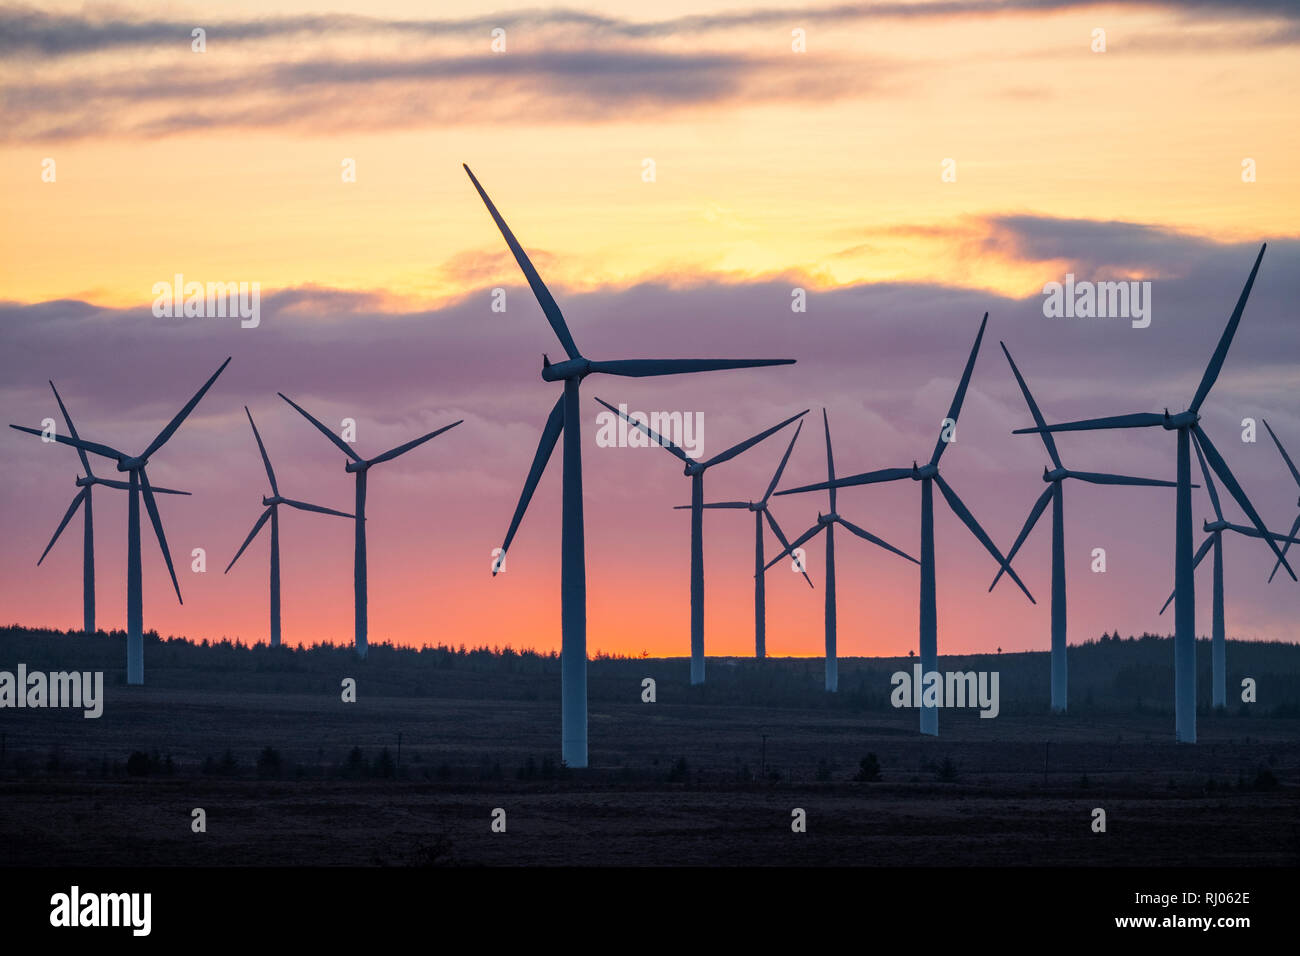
868 769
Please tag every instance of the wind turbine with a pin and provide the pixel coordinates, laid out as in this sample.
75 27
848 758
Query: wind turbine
273 513
695 471
360 466
1187 426
565 417
760 510
1055 487
1214 540
137 485
83 497
1295 527
928 476
827 522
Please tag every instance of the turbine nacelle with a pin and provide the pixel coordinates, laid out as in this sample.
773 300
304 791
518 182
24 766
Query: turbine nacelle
824 520
131 464
355 466
570 368
921 472
1181 420
272 500
1056 474
1220 525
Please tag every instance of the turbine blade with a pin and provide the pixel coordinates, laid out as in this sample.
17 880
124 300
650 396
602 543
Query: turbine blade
403 449
104 451
806 536
1099 478
830 459
72 430
304 506
550 434
72 509
152 507
1295 528
1225 475
749 443
1048 440
1285 457
868 478
251 535
1254 533
641 368
1035 513
543 294
175 423
1209 481
959 397
780 536
962 512
654 435
1138 420
1220 353
1201 552
868 536
344 446
715 504
781 467
270 472
123 486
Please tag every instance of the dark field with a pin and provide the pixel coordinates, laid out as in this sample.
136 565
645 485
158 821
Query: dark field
685 780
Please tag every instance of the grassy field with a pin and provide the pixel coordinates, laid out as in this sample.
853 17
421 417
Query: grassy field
288 774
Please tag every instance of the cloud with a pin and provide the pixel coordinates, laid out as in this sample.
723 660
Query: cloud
320 95
32 31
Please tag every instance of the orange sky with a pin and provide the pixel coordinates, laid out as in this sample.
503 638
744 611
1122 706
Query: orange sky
822 168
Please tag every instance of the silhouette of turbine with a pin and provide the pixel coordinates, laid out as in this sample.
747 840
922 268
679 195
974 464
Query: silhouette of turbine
928 476
137 485
360 466
1295 527
272 512
1055 483
84 497
827 522
695 471
761 511
1187 426
565 418
1214 540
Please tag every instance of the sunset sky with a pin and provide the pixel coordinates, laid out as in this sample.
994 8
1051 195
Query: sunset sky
774 169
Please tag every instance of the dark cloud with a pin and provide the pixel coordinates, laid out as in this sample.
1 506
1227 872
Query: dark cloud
27 30
318 95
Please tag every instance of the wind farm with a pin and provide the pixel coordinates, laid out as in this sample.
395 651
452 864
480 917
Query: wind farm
84 499
695 471
1186 425
138 486
928 476
826 522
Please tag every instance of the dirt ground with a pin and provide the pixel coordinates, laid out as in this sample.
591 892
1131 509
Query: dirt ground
670 783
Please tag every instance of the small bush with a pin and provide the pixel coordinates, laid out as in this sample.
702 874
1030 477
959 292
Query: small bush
868 769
